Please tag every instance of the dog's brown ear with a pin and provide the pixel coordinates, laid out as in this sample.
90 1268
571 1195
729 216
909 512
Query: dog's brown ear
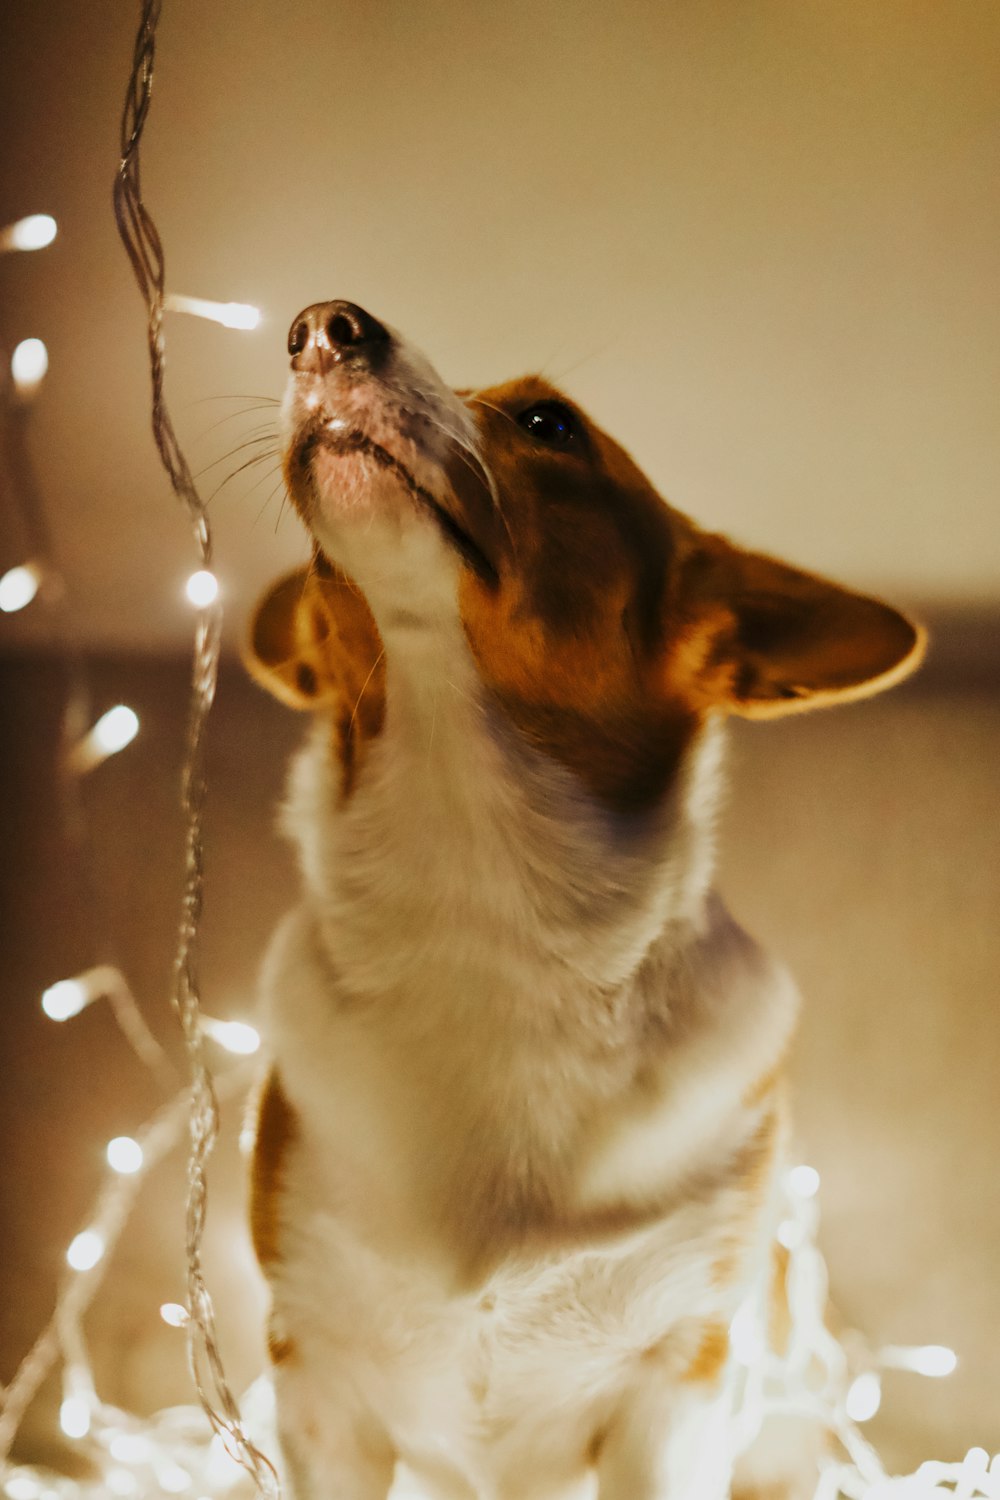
779 640
288 642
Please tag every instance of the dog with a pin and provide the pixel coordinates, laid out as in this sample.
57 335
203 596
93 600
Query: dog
518 1149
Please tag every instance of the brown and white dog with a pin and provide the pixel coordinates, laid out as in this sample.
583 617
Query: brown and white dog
517 1154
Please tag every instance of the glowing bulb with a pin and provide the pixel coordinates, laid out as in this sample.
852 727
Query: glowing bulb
68 997
21 1487
112 732
32 233
174 1314
934 1360
172 1478
131 1448
864 1397
116 729
64 999
124 1155
85 1250
229 314
18 587
121 1482
28 365
747 1337
235 1036
804 1181
74 1416
202 588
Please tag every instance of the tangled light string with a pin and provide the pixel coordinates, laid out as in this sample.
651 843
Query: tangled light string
145 251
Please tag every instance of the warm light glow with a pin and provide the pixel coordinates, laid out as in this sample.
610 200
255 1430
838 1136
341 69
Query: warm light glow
65 999
746 1336
864 1397
116 729
125 1155
18 587
121 1482
68 997
21 1487
131 1448
235 1036
229 314
28 365
74 1417
172 1478
32 233
804 1181
202 588
85 1250
933 1360
174 1314
112 732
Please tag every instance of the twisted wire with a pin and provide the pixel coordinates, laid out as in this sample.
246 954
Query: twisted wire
144 248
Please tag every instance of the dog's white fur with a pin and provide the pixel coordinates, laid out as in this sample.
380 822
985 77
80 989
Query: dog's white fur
482 966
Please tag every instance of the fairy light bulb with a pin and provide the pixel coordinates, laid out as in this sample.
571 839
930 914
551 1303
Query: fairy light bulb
124 1155
22 1487
172 1478
85 1250
174 1314
864 1397
112 732
230 314
234 1036
804 1181
31 233
28 366
116 729
74 1416
202 588
18 587
131 1448
67 997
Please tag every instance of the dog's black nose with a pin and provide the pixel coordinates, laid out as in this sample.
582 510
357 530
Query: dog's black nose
329 332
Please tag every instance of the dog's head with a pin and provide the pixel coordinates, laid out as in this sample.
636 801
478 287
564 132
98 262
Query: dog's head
602 622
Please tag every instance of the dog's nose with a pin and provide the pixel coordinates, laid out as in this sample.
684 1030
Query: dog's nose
330 332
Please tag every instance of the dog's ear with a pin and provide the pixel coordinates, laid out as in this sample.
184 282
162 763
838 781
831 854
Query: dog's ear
776 640
288 651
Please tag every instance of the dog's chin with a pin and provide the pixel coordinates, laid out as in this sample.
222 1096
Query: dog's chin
349 484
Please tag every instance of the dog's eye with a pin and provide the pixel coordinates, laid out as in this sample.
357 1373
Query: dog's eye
550 422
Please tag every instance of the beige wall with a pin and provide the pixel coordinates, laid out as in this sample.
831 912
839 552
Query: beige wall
863 845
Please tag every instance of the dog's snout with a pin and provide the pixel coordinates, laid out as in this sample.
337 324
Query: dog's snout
329 332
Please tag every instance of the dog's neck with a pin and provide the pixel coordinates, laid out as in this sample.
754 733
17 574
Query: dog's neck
462 851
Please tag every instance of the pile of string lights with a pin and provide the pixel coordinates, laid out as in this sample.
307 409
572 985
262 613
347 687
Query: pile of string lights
835 1384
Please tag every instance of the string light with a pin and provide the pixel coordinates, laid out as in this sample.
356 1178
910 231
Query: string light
74 1417
235 1036
932 1360
32 233
112 732
202 588
864 1397
85 1250
124 1155
68 997
18 587
174 1314
804 1181
229 314
28 367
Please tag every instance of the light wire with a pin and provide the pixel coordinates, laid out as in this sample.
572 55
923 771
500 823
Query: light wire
144 247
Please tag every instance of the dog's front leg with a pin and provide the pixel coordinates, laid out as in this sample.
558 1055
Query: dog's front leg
331 1449
668 1439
